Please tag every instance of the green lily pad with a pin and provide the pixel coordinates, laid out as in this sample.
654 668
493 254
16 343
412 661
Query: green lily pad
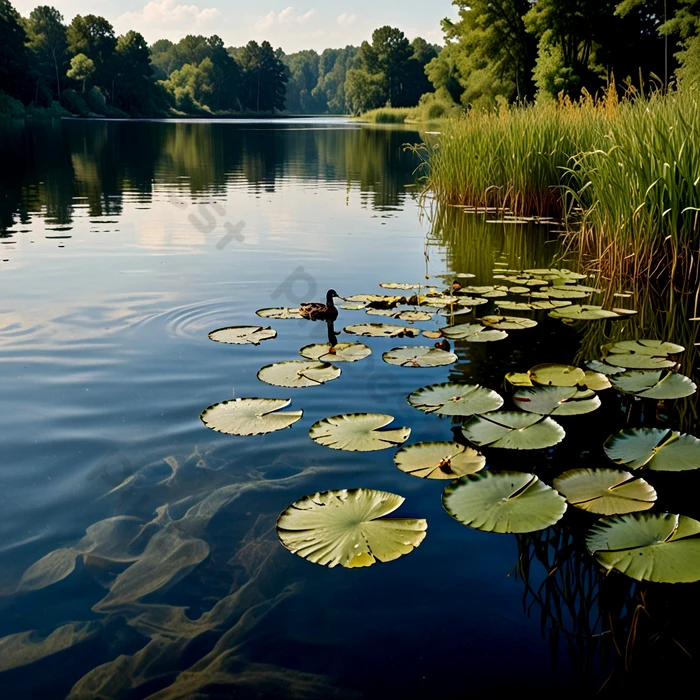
660 547
586 312
654 385
298 374
595 381
341 352
354 306
439 460
419 356
346 528
390 313
556 273
380 300
513 430
472 333
456 311
399 285
561 293
243 335
455 399
654 448
531 306
603 368
250 416
472 301
557 375
381 330
413 316
556 400
279 313
508 323
641 354
358 432
605 491
519 378
506 502
438 301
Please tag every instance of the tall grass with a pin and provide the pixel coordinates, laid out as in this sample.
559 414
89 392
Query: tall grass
625 174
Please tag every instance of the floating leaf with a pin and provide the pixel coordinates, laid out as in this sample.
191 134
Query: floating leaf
432 334
455 399
439 460
391 313
354 306
513 430
381 330
250 416
506 502
243 335
654 385
661 547
531 306
641 354
341 352
298 373
472 333
342 528
561 293
419 356
595 381
604 368
605 491
556 401
519 378
557 375
380 300
413 316
554 272
455 311
281 313
585 312
654 448
398 285
508 323
472 301
358 432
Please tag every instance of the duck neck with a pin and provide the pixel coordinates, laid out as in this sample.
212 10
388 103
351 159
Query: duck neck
329 299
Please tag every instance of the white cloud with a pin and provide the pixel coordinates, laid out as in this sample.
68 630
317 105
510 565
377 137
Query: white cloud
347 18
160 17
286 16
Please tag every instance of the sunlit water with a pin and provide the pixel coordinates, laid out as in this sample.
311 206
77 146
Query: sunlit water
123 245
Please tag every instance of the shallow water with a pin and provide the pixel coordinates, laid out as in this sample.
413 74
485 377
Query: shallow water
123 245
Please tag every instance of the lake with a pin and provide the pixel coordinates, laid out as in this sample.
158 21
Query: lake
123 244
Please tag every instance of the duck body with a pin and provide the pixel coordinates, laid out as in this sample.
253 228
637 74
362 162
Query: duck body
317 311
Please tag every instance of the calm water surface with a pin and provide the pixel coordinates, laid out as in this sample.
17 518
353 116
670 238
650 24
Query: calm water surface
122 245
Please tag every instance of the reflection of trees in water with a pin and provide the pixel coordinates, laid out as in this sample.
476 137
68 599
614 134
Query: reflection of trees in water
58 166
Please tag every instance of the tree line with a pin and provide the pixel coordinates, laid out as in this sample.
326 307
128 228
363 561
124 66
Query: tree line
496 51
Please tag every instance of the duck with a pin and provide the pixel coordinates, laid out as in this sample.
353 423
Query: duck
316 311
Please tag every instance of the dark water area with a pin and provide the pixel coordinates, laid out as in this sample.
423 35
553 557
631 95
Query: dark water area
122 245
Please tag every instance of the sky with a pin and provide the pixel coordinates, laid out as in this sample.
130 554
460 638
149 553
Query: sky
312 24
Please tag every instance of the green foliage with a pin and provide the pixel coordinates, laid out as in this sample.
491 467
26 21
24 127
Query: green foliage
13 54
10 108
74 103
93 36
54 111
264 77
81 69
364 91
46 41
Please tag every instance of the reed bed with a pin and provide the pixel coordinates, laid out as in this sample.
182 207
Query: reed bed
624 173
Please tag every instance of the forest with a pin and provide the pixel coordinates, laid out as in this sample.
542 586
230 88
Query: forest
495 52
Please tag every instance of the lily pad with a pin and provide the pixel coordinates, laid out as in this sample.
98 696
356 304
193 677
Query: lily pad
557 375
419 356
297 374
455 399
556 400
250 416
343 528
413 316
471 301
603 368
391 313
358 432
378 300
472 333
381 330
660 547
455 311
508 323
279 313
341 352
531 306
641 354
243 335
354 306
519 378
654 448
654 385
595 381
586 312
605 491
506 502
439 460
513 430
399 285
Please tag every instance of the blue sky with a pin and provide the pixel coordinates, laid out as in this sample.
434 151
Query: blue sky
291 24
